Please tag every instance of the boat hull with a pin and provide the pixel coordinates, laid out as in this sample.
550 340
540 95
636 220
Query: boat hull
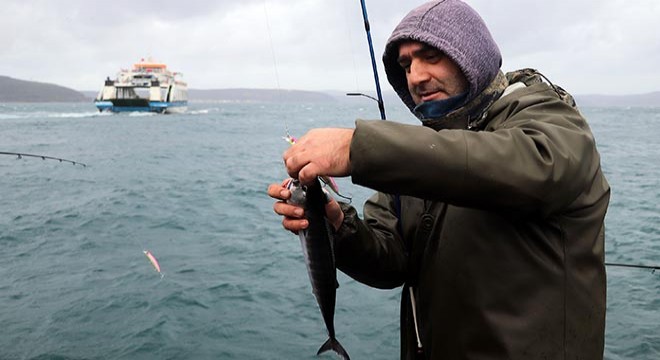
142 105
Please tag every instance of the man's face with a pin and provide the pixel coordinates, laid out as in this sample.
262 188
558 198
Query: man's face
430 73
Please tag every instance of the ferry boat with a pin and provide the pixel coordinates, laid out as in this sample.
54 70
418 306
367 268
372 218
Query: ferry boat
148 86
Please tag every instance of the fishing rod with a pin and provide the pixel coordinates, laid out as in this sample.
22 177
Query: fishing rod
43 157
646 267
367 28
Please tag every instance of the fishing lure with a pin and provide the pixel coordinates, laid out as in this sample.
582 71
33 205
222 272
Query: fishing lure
153 261
290 139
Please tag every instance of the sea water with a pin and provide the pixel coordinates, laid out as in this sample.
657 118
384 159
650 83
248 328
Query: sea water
191 188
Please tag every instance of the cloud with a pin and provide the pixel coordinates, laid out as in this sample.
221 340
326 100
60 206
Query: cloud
587 46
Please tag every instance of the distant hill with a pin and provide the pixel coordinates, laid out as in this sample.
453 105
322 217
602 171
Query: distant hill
14 90
649 99
250 95
266 95
258 95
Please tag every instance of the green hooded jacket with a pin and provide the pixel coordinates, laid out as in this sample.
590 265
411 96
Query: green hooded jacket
498 230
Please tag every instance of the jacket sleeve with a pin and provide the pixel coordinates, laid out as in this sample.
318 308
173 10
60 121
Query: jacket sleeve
371 250
537 155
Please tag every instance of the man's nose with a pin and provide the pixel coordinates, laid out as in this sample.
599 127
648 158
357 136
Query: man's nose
418 72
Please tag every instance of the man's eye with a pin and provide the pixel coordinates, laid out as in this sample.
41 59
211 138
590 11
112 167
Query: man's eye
433 57
405 65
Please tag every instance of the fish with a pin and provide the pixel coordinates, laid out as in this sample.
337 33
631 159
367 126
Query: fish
318 248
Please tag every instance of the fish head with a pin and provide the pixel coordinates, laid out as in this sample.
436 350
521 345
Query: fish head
298 192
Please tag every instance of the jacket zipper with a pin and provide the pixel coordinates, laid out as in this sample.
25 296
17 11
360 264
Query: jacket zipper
413 304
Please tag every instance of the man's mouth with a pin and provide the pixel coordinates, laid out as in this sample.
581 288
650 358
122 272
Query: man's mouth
427 96
430 95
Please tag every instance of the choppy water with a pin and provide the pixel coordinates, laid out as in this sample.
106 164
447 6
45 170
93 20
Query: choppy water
190 188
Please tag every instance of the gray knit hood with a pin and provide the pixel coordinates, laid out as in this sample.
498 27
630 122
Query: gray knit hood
457 30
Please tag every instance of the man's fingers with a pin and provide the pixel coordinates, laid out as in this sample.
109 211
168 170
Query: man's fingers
293 215
334 214
294 225
288 210
292 162
309 173
278 191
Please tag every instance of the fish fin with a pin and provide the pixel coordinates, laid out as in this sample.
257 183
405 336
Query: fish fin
334 345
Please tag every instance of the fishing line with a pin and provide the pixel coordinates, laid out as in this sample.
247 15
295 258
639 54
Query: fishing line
288 138
42 157
275 66
350 42
272 48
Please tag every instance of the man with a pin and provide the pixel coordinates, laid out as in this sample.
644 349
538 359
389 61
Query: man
490 215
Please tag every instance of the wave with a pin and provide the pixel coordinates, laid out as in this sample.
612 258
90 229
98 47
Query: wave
141 114
9 117
79 115
200 112
54 115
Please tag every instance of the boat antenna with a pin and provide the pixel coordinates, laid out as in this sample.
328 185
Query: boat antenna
43 157
367 28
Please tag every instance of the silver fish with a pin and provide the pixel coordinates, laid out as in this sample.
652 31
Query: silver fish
317 244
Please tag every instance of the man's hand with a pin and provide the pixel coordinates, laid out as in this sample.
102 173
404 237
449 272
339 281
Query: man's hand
294 215
320 152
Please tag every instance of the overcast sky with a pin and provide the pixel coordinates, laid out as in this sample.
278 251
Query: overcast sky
586 46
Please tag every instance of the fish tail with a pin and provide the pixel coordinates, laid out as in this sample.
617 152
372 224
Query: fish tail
334 345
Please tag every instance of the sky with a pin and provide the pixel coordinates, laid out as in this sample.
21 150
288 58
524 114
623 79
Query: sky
586 46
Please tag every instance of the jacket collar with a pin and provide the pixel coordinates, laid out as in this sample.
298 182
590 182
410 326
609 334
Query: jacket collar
472 115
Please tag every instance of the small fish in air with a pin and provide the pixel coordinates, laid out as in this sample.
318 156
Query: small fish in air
153 261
